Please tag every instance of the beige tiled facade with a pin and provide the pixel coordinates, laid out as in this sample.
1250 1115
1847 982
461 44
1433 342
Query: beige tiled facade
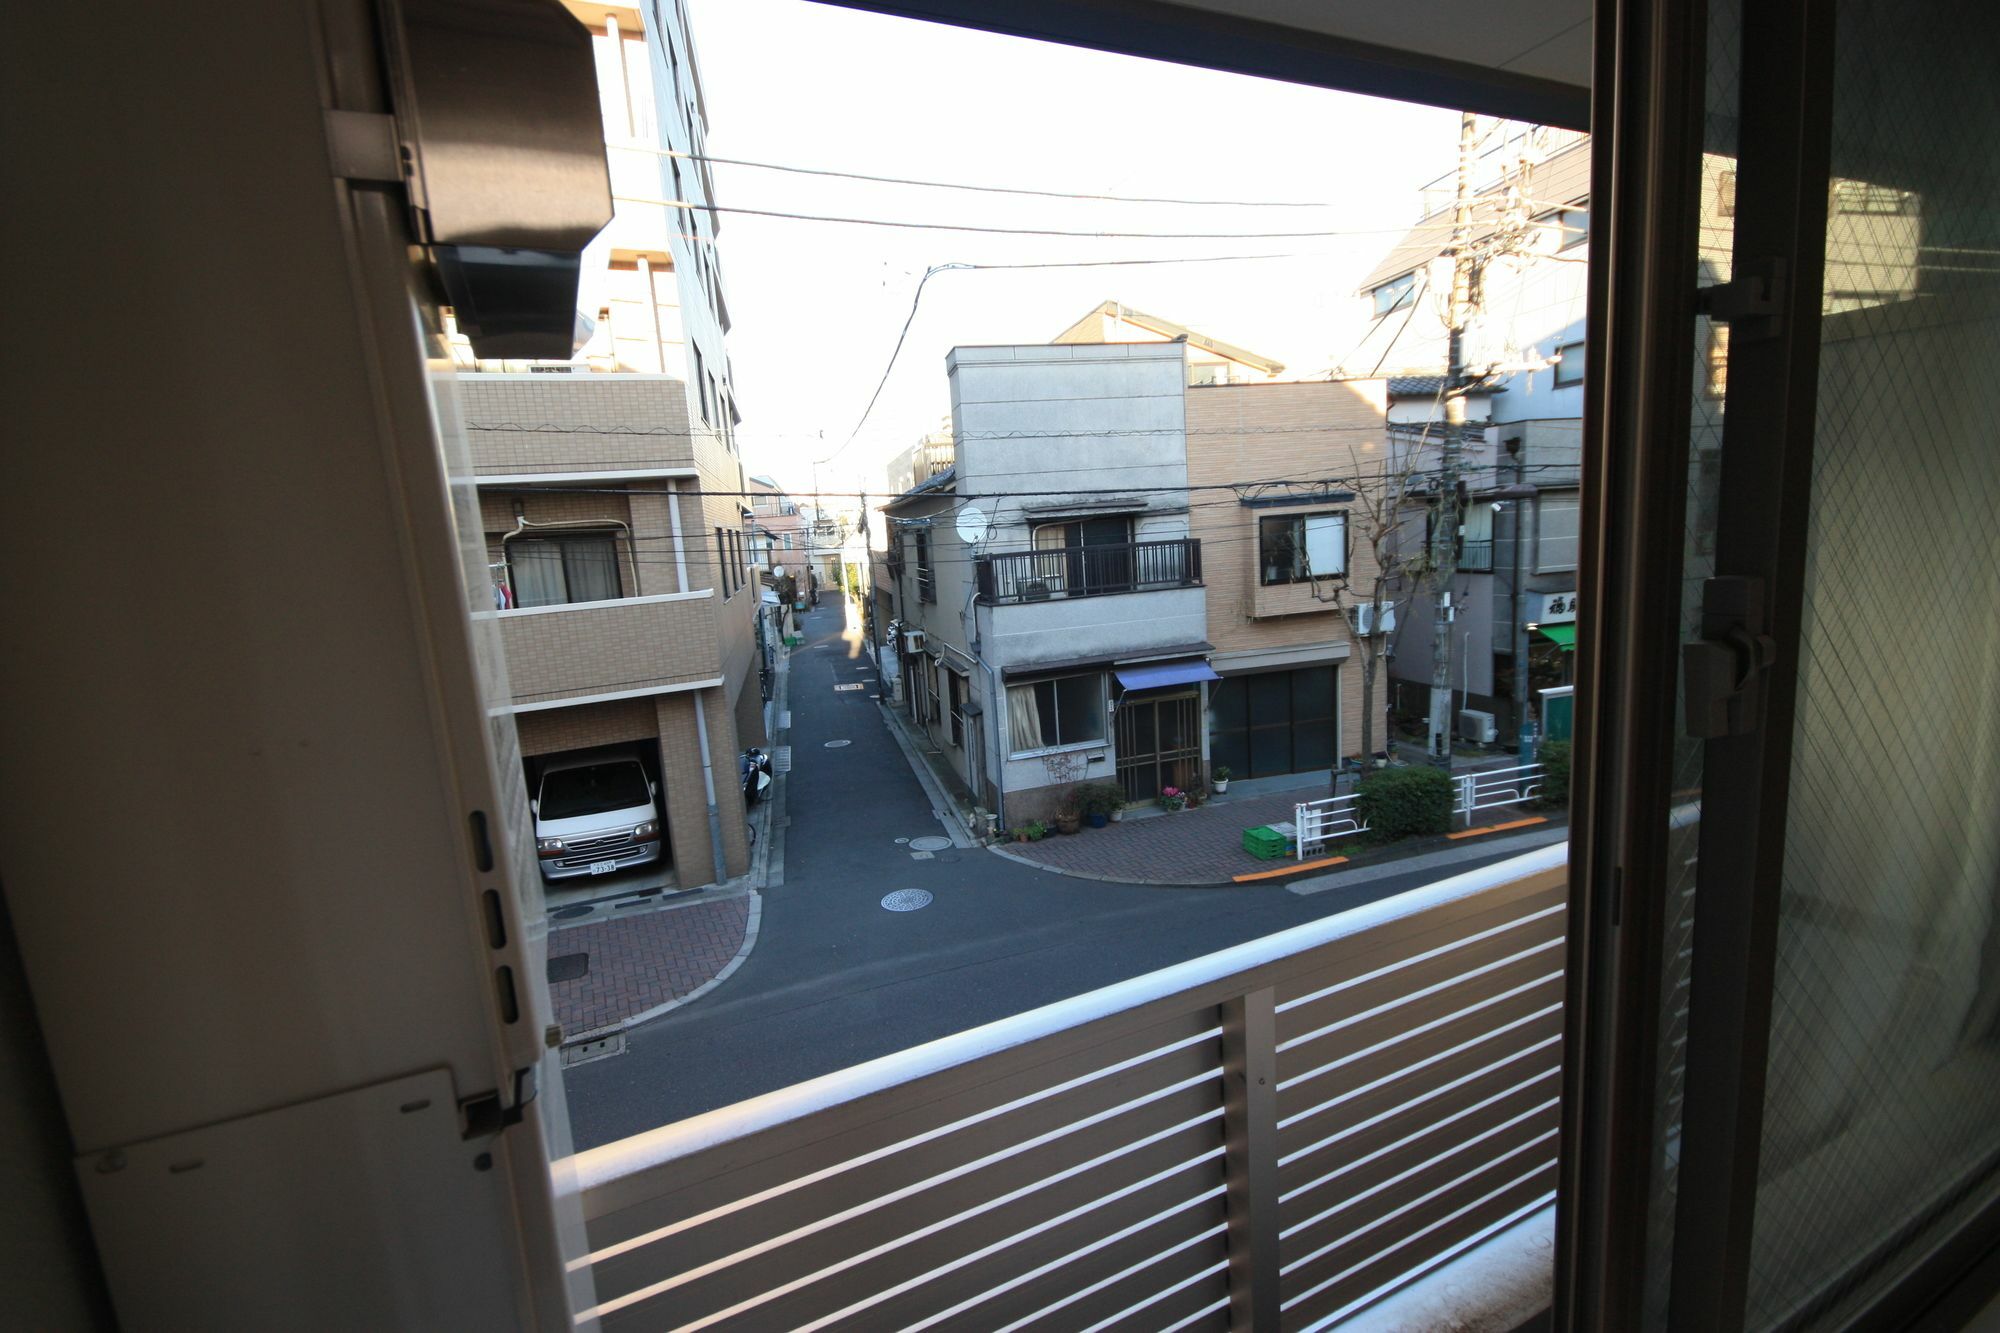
598 420
1307 431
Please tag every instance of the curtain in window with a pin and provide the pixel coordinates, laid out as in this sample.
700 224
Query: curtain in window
1326 544
536 568
591 567
1024 719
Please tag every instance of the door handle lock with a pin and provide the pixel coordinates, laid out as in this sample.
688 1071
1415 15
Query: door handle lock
1722 672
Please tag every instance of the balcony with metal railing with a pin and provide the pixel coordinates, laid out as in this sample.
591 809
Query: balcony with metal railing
1046 574
1273 1136
1475 557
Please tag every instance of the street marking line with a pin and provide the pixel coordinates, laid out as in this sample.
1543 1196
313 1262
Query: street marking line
856 686
1320 864
1497 828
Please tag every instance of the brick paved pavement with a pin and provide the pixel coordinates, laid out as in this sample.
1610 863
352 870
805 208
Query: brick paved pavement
636 963
1201 846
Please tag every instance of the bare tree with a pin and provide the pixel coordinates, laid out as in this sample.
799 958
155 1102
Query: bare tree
1386 483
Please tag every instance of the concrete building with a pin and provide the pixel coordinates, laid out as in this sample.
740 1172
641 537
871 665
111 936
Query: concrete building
607 484
1517 544
1283 566
1042 625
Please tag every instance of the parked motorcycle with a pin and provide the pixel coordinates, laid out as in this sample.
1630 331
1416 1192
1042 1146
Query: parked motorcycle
755 771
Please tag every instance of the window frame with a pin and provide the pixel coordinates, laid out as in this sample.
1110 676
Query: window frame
1302 546
1055 711
563 541
1573 378
1405 293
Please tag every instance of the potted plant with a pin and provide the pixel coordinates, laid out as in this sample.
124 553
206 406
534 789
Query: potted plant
1102 802
1037 830
1218 778
1172 799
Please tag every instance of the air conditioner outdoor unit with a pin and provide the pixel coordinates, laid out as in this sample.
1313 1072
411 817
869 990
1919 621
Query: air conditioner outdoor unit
1477 726
913 640
1374 619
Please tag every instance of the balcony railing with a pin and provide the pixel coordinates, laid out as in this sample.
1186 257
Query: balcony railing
1274 1135
1475 557
1088 571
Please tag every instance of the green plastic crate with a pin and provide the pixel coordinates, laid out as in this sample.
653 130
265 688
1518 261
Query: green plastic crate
1266 843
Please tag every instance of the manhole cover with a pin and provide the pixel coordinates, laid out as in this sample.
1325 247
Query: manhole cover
568 966
835 745
907 900
929 843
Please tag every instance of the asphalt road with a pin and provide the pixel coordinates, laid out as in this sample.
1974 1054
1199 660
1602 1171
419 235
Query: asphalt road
836 979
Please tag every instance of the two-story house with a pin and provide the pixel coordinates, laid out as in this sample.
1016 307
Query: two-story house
608 487
1050 609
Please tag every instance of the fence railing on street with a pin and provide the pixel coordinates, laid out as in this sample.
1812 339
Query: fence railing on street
1496 787
1319 822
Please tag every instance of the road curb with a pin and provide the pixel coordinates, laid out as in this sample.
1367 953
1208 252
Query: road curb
942 805
1527 840
626 1024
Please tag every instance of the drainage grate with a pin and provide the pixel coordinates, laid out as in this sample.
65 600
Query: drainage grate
930 843
568 966
601 1049
836 745
907 900
781 759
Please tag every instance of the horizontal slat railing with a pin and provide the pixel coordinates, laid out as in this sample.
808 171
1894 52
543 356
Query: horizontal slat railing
1081 1166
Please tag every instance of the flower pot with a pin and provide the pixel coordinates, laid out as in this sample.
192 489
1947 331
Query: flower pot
1221 785
1117 816
1096 820
1068 823
1021 836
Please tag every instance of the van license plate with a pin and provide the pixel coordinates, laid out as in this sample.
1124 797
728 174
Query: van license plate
602 867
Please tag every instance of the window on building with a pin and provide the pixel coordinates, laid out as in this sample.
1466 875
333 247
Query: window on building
926 578
1572 224
722 564
788 541
1475 538
955 687
1048 714
701 383
1569 364
1297 548
1555 533
1395 293
550 571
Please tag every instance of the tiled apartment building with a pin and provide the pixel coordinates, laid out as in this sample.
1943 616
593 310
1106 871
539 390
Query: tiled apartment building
1283 564
609 485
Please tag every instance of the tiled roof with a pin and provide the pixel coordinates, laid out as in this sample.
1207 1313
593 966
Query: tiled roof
1429 386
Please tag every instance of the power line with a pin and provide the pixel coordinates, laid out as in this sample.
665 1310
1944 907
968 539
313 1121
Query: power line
873 398
984 189
1014 231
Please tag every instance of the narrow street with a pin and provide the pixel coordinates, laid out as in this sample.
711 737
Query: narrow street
836 979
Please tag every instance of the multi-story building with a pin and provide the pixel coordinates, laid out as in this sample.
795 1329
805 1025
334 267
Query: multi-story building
1050 614
778 534
1287 568
1516 544
608 485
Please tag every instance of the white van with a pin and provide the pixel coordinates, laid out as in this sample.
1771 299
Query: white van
596 811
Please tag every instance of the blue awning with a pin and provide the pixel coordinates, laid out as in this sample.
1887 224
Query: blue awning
1155 674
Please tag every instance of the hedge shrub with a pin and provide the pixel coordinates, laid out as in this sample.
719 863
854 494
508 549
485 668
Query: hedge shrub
1554 757
1406 802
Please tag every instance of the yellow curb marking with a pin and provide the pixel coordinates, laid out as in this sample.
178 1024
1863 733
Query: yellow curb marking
1290 870
1497 828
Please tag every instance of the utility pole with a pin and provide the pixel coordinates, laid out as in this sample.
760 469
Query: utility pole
1446 517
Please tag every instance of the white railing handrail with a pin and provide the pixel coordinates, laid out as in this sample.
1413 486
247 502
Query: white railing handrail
597 1167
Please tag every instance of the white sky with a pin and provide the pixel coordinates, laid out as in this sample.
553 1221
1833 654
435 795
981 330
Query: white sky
816 306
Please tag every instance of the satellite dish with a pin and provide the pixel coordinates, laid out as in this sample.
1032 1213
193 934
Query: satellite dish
972 525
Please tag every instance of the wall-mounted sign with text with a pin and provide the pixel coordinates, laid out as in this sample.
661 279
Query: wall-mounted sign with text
1555 608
